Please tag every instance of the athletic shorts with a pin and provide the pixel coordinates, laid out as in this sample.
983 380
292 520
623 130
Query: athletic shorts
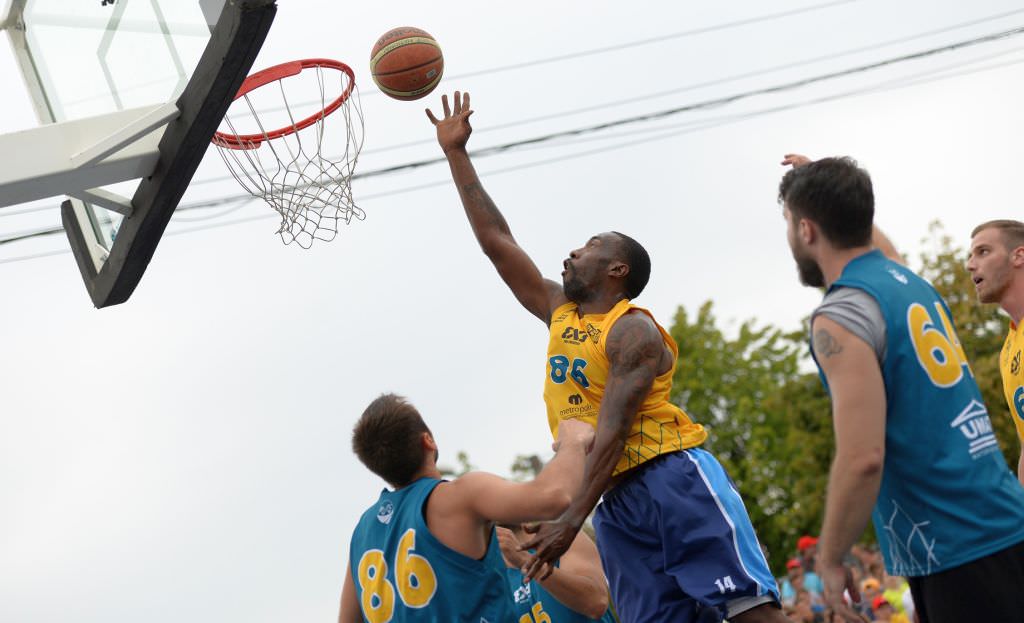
677 545
988 589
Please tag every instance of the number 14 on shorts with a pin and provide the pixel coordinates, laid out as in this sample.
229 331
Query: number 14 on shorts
725 584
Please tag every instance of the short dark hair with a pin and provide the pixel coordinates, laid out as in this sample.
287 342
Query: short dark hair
387 439
1012 232
836 194
635 256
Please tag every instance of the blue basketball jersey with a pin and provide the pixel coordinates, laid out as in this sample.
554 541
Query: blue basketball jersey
403 573
947 496
533 604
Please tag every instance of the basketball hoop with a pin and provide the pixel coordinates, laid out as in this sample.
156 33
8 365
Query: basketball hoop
287 166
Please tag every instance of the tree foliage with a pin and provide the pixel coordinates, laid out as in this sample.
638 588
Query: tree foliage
768 422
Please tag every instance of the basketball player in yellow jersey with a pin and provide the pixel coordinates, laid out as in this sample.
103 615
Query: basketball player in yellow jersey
676 542
996 264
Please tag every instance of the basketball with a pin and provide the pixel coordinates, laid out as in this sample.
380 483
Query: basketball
406 63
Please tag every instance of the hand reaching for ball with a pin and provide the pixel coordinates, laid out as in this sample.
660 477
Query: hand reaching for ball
453 130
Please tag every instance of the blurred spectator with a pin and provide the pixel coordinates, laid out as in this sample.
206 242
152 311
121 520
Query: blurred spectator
884 611
807 546
895 588
797 579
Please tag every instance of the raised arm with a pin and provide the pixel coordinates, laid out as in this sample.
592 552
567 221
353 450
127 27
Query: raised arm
538 295
636 351
858 413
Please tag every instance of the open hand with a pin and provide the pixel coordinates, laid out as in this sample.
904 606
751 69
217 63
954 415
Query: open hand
836 579
551 540
509 545
453 130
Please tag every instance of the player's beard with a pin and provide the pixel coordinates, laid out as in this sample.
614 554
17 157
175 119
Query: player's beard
575 289
809 271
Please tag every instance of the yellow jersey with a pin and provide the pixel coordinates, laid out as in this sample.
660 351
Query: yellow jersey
577 371
1013 376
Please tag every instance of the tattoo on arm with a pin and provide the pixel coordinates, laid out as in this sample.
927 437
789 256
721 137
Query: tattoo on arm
825 345
477 200
635 350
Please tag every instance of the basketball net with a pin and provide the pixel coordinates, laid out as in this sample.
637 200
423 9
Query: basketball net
303 168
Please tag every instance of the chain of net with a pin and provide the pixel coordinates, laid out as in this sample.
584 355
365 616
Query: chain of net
311 192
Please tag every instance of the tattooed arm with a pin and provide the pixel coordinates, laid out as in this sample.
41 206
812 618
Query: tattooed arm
538 295
858 414
637 354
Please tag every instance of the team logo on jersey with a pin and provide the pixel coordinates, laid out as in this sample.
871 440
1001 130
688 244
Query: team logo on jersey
594 332
384 512
898 276
974 425
572 335
575 399
1018 402
1015 364
522 594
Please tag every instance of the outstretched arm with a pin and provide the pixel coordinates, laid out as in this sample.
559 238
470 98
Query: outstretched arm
490 498
635 349
858 413
538 295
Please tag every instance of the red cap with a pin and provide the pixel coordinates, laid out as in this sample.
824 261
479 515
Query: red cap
793 563
806 541
879 601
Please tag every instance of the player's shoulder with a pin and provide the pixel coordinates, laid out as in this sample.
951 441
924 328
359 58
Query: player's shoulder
633 334
636 323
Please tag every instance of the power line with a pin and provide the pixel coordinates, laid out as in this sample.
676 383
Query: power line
622 46
715 102
688 87
688 127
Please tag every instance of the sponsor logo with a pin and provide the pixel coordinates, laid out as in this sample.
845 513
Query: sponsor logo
572 413
594 332
384 512
1015 364
572 335
522 594
575 399
898 276
974 425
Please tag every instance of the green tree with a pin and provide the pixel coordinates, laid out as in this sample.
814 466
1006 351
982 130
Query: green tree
768 422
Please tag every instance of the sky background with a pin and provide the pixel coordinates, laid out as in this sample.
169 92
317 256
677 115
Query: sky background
185 455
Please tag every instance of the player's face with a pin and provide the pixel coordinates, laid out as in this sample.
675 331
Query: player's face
806 267
586 268
989 265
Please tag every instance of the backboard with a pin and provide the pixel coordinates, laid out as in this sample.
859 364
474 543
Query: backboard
134 90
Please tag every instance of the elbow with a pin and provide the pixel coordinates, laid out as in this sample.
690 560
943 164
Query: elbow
866 464
597 606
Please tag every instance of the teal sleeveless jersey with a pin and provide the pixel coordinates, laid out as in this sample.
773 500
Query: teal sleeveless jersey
947 496
403 573
533 604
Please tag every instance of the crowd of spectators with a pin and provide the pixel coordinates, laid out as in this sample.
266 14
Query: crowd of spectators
883 597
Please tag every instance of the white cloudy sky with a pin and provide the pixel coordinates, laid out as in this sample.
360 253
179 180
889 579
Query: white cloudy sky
185 456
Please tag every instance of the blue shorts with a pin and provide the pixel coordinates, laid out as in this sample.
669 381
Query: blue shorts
676 542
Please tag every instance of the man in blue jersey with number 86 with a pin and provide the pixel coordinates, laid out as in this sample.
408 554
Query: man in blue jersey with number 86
427 551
